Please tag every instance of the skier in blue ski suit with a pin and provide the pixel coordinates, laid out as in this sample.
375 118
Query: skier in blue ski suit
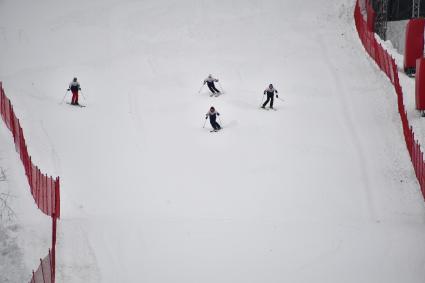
212 114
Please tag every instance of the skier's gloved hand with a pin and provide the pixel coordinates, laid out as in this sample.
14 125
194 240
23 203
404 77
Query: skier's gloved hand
68 89
277 96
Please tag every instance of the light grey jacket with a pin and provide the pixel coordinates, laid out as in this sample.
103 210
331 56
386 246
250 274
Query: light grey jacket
270 90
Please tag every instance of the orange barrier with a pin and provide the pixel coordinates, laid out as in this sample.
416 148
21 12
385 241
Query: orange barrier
388 65
44 189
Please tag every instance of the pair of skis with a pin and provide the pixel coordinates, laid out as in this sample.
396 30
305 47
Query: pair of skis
268 108
79 105
262 100
213 94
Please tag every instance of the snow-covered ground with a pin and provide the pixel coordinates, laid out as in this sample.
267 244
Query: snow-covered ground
24 230
321 190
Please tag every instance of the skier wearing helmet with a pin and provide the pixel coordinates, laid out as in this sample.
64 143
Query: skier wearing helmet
74 86
210 83
270 91
212 114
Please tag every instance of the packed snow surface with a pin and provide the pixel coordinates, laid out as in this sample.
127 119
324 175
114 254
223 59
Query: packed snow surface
321 190
24 230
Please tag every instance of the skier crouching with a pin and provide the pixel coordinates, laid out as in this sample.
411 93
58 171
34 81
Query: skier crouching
212 114
210 83
270 91
74 86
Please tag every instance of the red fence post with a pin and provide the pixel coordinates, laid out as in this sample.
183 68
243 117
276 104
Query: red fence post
11 120
37 185
54 227
42 271
416 160
45 195
57 198
422 169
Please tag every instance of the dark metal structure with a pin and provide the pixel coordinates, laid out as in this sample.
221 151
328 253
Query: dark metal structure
381 10
395 10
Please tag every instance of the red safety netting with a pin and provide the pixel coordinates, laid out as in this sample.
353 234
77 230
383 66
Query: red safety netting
44 189
388 65
44 273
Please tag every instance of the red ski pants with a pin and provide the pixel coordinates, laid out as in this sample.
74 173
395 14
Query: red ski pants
74 97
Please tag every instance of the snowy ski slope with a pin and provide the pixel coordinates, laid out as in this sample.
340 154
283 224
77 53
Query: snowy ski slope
321 190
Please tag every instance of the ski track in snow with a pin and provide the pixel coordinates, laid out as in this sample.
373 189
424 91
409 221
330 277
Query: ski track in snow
54 155
137 119
346 114
81 264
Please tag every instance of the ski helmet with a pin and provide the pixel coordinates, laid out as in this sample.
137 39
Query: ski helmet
75 79
212 108
270 86
210 76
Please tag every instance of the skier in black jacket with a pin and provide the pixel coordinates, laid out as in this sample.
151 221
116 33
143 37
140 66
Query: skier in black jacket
212 114
270 91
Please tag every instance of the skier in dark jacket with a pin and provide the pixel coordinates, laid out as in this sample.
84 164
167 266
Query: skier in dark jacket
74 86
270 91
210 83
212 114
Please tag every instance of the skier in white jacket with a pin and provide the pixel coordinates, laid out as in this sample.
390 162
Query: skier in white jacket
270 91
212 114
210 83
74 87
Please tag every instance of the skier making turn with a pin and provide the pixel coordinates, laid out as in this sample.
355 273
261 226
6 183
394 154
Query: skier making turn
270 91
212 114
210 83
74 86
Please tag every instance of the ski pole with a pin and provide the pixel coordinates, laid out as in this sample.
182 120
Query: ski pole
83 95
204 123
201 88
222 89
63 99
219 119
280 99
262 100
